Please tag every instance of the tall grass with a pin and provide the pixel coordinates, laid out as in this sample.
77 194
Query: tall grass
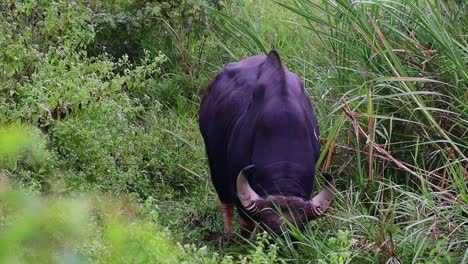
393 76
399 66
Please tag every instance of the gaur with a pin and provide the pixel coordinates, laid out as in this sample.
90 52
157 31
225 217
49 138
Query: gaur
262 142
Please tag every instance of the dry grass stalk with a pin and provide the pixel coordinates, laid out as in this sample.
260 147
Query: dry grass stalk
386 154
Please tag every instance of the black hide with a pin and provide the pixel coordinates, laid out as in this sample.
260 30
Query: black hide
256 111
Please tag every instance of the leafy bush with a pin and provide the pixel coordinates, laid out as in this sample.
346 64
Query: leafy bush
24 157
341 245
36 35
109 152
79 230
181 29
91 108
82 228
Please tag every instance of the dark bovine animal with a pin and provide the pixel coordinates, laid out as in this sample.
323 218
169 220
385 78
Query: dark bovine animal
262 142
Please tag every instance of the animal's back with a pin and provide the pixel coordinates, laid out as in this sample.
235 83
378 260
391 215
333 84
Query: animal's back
225 100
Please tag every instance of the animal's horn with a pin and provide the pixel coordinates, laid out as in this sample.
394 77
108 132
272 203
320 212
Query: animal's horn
247 196
322 201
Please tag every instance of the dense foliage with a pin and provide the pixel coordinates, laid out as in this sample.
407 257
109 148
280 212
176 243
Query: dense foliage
101 159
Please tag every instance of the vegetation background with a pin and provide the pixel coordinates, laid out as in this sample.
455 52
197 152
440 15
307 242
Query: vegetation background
101 160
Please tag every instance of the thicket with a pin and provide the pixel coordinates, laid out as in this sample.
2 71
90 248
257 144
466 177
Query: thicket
89 103
101 159
107 114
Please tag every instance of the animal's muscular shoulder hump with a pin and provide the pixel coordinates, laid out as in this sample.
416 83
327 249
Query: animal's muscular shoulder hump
230 92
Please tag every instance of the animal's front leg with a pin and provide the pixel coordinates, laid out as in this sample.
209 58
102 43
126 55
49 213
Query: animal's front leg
227 210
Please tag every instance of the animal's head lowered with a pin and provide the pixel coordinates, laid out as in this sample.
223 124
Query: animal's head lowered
274 211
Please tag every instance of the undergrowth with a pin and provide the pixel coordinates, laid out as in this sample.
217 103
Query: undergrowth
101 159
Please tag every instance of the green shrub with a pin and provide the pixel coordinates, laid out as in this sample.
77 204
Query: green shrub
118 148
25 159
37 34
181 29
90 108
340 248
83 229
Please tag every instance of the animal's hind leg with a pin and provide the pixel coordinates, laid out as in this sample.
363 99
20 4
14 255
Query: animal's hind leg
227 210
